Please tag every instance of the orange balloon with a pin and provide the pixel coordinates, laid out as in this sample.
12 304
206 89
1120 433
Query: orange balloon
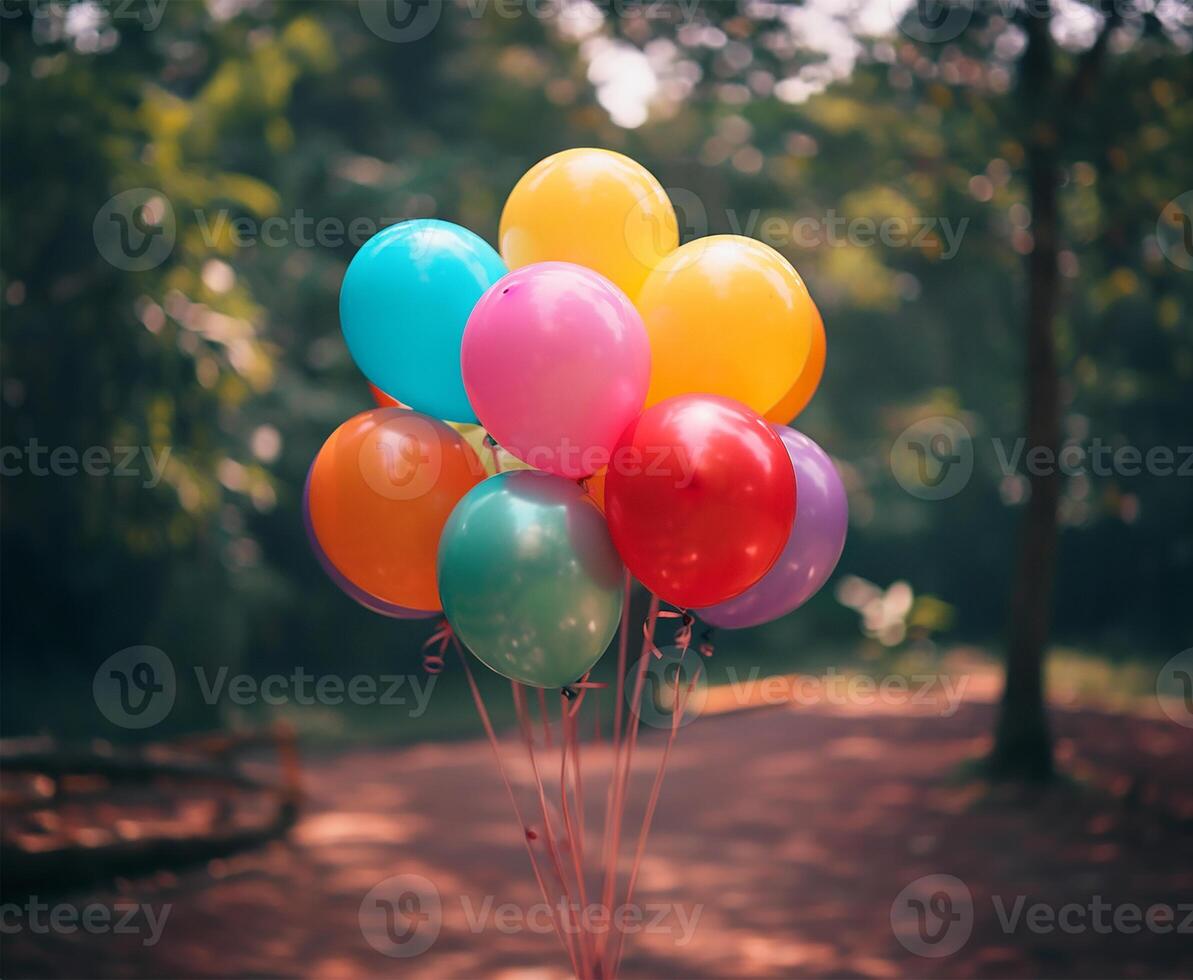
796 400
381 490
383 400
594 486
726 315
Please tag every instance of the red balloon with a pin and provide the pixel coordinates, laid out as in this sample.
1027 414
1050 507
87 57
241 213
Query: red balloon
700 498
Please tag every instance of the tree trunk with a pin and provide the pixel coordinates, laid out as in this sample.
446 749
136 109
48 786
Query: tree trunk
1023 743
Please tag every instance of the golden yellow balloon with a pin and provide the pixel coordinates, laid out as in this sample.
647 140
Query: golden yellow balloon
494 461
592 207
727 315
796 400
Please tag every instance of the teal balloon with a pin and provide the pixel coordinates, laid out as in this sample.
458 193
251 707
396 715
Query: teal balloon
405 300
529 578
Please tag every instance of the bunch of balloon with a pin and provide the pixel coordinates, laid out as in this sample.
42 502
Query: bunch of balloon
593 405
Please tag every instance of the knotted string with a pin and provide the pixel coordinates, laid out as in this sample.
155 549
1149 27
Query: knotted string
433 660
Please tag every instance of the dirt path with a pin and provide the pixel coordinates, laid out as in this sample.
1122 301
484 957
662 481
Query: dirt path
785 834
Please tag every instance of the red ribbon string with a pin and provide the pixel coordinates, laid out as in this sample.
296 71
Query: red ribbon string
683 635
433 660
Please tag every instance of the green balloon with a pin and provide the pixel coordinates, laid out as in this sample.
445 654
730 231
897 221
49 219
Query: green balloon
529 577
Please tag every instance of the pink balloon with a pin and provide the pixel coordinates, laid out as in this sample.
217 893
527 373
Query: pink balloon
556 363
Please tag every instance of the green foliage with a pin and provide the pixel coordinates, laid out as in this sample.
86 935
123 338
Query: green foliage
228 355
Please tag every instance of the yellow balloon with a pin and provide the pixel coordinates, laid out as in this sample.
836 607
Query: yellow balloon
727 315
494 462
796 400
592 207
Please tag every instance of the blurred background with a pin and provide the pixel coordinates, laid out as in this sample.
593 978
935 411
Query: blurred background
184 183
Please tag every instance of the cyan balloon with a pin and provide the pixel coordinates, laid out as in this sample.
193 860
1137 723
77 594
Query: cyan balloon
529 578
404 303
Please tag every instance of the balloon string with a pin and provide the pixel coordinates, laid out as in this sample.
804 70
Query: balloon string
574 827
705 649
683 635
622 776
433 660
623 637
492 444
679 705
542 696
527 833
524 723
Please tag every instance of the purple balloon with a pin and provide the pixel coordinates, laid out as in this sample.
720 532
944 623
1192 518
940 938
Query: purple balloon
812 549
366 599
